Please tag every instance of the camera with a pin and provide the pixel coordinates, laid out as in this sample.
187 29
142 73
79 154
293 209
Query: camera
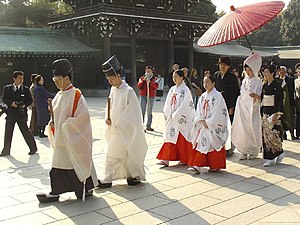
3 109
20 104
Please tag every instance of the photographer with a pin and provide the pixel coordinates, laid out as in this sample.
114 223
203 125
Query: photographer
17 97
147 85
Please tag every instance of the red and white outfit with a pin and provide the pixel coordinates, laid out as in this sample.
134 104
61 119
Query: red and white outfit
209 143
179 112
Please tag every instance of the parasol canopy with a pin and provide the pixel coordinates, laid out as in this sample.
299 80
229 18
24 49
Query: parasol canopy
240 21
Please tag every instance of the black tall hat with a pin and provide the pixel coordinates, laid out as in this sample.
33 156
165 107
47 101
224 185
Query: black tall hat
62 67
111 67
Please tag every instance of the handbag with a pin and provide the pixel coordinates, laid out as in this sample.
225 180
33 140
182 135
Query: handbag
198 92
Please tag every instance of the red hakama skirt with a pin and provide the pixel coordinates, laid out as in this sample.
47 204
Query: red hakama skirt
180 151
213 160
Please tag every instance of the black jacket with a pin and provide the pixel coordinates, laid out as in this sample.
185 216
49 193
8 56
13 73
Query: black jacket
229 88
22 96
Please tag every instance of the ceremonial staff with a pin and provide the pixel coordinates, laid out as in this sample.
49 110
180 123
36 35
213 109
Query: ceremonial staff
108 108
51 109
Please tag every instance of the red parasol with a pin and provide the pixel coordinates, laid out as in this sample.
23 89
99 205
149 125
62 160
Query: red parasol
239 22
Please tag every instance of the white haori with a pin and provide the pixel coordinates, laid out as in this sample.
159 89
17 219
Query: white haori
72 139
212 109
125 137
179 112
246 133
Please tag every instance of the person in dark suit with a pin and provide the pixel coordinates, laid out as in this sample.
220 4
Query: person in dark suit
227 85
288 85
17 97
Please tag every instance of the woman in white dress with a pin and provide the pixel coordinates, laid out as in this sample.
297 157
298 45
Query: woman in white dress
246 127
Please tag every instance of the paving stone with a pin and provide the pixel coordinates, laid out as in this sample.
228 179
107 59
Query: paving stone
143 218
37 218
237 205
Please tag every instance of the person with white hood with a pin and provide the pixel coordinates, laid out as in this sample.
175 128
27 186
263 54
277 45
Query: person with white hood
246 127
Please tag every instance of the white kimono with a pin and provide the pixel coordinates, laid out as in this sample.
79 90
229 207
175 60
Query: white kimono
212 109
72 138
179 112
246 132
125 137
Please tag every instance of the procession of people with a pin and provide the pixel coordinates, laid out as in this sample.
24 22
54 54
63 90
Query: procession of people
261 108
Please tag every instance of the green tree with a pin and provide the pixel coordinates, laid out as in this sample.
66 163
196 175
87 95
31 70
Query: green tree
290 26
205 8
16 13
267 35
30 13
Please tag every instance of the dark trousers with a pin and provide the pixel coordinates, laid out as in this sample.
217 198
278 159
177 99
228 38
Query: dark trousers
63 181
298 123
9 129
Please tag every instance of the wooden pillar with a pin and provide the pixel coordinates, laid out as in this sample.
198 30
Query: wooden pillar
191 55
106 49
133 61
170 53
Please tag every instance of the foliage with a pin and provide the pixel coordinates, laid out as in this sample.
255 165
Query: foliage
269 34
204 8
25 13
290 26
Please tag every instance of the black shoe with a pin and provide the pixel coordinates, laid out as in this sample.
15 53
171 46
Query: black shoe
133 181
32 152
297 137
104 185
293 137
45 198
229 152
284 137
43 136
4 154
150 129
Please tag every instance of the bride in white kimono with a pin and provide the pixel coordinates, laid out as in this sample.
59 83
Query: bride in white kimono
211 130
179 112
247 119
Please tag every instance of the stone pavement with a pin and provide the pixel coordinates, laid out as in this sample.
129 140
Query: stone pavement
245 193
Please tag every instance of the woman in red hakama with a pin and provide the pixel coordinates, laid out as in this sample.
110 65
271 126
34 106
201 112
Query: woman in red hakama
179 112
210 130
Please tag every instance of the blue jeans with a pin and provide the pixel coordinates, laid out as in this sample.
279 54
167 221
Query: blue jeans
149 110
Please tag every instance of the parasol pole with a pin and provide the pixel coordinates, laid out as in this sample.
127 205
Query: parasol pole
248 43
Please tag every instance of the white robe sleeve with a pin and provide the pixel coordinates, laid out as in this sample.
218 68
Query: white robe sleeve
77 134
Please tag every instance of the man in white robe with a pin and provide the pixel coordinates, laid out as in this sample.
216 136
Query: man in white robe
126 143
70 136
246 128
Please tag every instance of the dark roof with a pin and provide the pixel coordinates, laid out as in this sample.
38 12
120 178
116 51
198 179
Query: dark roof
231 49
103 9
16 40
284 52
